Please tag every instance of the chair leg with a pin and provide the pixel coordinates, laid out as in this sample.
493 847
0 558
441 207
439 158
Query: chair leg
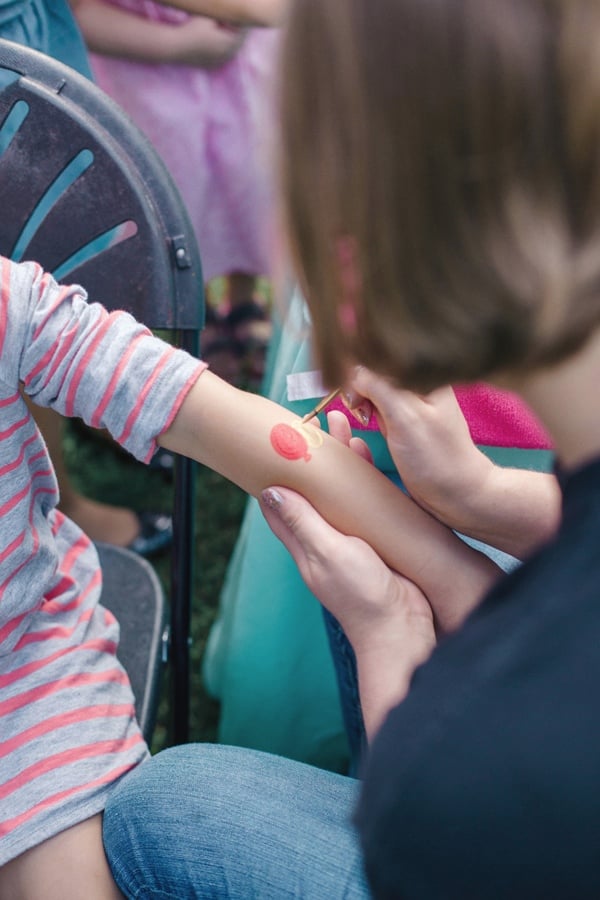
182 578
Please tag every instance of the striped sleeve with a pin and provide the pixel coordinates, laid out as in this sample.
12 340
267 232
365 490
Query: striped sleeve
83 361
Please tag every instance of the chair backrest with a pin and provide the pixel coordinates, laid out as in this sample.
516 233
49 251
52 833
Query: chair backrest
89 198
132 591
83 193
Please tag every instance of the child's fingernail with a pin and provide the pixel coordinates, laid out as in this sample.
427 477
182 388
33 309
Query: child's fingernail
350 397
272 498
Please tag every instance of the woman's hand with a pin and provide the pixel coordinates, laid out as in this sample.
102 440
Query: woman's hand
514 510
429 441
386 618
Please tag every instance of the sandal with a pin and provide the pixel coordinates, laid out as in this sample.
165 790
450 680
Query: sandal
155 535
163 461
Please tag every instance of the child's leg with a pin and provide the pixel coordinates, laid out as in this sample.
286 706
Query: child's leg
70 866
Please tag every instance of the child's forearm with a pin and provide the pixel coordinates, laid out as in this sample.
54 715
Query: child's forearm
243 12
110 31
256 443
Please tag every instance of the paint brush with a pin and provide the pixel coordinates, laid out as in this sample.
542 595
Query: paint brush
321 405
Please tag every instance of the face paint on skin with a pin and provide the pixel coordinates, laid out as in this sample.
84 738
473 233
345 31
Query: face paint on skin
293 441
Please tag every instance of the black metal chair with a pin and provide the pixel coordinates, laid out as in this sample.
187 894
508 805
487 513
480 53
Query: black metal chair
132 591
83 193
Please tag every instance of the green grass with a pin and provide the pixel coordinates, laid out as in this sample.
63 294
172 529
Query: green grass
104 473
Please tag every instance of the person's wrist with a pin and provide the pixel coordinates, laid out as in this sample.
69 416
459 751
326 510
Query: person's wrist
408 649
466 494
403 626
385 667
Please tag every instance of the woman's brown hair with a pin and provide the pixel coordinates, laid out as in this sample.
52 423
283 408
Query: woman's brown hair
456 143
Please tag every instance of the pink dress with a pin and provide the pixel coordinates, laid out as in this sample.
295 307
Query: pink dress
212 129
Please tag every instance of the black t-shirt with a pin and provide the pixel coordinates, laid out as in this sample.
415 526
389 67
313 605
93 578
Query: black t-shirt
485 781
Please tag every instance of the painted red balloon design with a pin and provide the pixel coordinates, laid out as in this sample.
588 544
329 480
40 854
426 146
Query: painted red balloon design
289 442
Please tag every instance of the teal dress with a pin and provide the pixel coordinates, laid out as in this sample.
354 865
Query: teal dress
268 658
48 26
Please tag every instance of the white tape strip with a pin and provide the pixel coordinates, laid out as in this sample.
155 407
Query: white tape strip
305 386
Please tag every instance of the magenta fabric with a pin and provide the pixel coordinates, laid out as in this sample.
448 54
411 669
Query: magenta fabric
500 418
496 418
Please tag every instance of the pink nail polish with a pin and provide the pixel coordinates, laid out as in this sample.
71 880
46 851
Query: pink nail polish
272 498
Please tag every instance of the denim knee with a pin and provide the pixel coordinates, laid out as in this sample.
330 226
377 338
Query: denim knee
214 821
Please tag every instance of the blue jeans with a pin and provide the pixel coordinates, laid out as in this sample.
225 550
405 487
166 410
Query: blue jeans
344 663
202 820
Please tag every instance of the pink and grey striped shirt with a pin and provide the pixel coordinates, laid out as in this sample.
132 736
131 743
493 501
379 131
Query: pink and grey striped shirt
67 724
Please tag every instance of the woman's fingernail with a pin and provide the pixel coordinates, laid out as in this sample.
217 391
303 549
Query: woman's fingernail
362 415
272 498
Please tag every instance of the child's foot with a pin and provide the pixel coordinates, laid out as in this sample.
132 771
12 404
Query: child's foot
144 533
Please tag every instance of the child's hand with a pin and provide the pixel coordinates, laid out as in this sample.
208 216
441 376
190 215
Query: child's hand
207 43
339 428
229 26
